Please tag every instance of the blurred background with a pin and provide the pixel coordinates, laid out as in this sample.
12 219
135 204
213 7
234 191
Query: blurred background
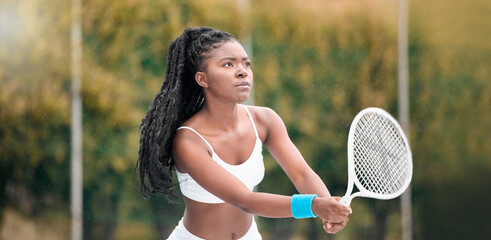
316 62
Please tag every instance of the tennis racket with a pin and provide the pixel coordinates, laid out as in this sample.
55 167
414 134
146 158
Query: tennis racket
379 157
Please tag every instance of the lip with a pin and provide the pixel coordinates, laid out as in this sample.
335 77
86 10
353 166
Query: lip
243 84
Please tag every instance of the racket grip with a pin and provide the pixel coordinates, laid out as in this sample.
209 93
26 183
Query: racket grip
345 201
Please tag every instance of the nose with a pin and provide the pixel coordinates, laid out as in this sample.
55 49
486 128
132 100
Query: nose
241 72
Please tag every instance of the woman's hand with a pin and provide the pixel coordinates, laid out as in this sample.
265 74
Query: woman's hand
333 228
333 214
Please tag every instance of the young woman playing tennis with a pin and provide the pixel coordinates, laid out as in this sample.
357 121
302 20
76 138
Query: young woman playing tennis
196 126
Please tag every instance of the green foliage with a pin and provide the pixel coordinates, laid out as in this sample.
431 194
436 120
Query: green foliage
34 110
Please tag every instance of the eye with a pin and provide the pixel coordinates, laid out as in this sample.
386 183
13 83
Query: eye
248 63
228 64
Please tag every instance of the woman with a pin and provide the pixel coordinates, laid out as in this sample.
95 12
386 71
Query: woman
196 126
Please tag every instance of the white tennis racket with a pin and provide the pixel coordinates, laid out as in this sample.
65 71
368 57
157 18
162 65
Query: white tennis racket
379 157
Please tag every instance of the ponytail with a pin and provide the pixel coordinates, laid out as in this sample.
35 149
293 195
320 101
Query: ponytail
179 98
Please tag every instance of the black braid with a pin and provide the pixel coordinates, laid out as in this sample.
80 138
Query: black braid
179 98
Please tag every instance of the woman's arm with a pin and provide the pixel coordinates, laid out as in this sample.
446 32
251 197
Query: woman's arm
290 159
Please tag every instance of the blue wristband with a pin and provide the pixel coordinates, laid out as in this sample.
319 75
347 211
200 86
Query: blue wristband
301 206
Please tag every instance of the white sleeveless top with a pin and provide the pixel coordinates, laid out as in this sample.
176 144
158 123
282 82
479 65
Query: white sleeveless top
250 172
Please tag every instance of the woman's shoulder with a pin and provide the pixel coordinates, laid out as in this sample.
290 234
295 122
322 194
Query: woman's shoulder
189 131
262 113
266 120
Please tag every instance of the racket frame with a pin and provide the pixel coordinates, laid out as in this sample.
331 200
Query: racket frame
353 180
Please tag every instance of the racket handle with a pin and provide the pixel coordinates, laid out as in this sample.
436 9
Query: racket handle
345 201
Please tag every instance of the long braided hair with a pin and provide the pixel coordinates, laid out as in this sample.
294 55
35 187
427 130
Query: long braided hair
179 98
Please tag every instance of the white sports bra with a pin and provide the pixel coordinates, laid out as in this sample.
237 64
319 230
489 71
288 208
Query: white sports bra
250 172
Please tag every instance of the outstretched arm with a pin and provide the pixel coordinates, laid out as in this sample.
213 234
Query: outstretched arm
289 158
306 181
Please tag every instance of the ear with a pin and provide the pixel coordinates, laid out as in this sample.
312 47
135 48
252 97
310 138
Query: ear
201 79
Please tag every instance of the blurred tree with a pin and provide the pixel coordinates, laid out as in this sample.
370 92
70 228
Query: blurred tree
451 111
34 106
110 115
34 110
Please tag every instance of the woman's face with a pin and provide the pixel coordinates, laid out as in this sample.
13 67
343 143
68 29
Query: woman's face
227 74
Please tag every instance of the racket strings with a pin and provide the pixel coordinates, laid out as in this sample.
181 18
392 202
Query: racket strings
379 155
382 172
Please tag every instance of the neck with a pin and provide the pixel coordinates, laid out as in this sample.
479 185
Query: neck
221 115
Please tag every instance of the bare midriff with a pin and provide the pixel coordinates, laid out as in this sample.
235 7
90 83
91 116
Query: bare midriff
215 221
